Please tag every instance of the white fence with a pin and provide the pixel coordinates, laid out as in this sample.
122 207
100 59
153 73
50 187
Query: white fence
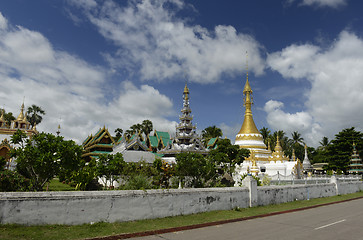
279 179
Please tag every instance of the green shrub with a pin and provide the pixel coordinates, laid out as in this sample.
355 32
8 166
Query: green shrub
137 182
11 181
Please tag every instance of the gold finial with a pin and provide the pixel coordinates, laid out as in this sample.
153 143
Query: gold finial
186 92
247 65
186 89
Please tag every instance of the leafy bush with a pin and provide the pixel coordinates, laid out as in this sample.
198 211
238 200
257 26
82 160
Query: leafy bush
11 181
266 180
137 182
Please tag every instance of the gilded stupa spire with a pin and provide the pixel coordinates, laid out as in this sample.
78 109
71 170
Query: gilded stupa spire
248 126
278 147
21 114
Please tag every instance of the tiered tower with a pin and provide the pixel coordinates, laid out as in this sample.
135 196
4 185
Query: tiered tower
355 165
186 139
185 130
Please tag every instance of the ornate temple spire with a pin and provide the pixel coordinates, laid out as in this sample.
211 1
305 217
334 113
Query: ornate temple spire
356 164
278 154
248 126
278 147
306 162
21 114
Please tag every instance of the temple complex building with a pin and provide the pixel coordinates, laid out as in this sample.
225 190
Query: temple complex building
186 139
356 165
261 159
100 143
8 129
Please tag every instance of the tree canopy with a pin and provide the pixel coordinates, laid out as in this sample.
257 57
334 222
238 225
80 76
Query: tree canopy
211 132
43 156
34 115
339 151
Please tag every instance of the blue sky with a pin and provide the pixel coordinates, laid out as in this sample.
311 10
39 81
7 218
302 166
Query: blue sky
115 63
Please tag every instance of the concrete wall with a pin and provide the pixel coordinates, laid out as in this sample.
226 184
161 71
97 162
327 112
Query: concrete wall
112 206
280 194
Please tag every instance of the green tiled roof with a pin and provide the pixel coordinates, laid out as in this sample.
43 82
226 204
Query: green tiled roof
87 140
211 141
163 135
153 141
119 140
100 152
166 141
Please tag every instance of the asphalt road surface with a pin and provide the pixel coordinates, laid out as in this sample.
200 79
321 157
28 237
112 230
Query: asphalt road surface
333 222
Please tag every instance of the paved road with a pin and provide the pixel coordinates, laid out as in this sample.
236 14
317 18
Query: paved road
333 222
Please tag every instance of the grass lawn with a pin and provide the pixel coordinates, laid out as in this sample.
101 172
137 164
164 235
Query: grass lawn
55 185
12 231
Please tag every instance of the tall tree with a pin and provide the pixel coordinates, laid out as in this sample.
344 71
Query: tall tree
228 155
296 138
136 128
324 143
194 166
211 132
41 157
118 132
265 132
34 114
8 116
297 144
147 127
341 147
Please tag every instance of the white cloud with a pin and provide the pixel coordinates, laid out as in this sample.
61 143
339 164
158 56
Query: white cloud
230 131
152 40
336 94
71 91
322 3
3 22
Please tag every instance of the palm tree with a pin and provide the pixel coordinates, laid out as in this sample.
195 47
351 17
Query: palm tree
324 143
211 132
34 115
8 116
147 127
118 132
296 138
136 128
265 132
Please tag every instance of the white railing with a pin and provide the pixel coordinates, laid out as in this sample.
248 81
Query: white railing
279 179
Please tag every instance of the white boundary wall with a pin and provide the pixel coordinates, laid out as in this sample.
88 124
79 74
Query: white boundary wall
71 208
